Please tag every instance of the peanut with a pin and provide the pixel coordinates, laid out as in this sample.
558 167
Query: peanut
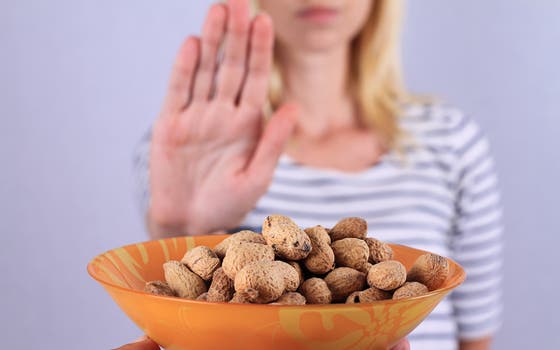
343 281
351 252
387 275
429 269
316 291
290 298
240 254
367 296
409 290
203 297
291 276
321 258
202 261
299 271
244 297
366 267
265 277
221 289
242 236
184 282
378 251
159 288
349 228
286 238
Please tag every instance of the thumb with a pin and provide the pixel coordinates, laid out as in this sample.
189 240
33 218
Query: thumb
273 140
402 345
144 343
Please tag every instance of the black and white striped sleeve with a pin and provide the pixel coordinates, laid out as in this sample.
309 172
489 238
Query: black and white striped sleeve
477 240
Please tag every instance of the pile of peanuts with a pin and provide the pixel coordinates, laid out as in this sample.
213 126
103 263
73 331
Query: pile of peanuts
290 266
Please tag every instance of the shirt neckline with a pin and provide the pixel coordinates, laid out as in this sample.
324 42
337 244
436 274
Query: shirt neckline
383 161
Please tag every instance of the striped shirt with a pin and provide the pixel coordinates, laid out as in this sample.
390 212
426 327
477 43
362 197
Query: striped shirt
442 196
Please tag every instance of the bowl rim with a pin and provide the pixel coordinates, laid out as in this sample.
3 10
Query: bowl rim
90 269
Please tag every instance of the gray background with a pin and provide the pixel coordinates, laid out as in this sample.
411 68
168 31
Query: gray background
81 81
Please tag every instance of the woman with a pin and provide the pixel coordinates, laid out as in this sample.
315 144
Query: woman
344 139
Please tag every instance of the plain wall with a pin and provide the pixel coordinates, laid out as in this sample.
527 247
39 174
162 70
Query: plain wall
81 81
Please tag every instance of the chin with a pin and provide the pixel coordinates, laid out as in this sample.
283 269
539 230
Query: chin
317 42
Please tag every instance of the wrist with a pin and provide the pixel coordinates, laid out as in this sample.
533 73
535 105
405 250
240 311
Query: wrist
162 225
165 226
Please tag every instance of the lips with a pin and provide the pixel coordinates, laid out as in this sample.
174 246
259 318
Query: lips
318 14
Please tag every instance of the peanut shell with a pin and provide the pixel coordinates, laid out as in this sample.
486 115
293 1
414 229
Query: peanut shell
202 297
387 275
351 252
159 288
365 268
343 281
290 298
321 258
202 261
378 251
299 271
409 290
221 289
183 281
286 238
242 236
244 297
367 296
316 291
290 274
429 269
242 253
265 277
349 228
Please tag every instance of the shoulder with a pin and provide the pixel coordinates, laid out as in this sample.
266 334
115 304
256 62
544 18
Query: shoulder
441 126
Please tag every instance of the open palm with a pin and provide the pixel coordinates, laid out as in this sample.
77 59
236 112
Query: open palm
212 155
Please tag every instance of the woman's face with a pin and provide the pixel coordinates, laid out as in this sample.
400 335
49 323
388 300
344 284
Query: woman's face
316 25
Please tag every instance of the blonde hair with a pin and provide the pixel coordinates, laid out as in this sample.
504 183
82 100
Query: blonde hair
375 71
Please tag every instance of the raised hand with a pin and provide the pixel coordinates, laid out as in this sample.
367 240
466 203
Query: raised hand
212 154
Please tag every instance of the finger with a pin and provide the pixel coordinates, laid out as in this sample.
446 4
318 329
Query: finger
402 345
143 343
260 59
232 69
180 82
213 32
272 143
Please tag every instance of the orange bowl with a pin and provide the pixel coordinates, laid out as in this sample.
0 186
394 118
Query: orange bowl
180 324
